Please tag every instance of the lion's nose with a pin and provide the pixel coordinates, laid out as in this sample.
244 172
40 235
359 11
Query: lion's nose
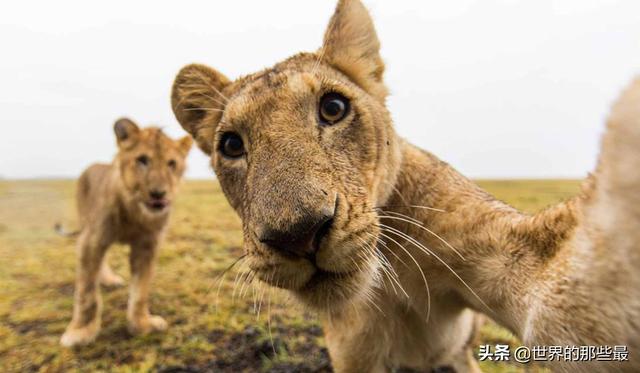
157 194
301 238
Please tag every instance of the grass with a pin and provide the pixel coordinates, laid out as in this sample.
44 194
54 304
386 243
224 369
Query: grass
207 332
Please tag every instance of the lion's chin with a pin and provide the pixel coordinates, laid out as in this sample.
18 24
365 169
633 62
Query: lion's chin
330 291
323 290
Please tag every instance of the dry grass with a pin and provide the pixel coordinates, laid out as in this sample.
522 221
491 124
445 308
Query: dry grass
208 333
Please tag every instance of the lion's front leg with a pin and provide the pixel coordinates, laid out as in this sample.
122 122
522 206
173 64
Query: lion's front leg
142 259
355 355
87 307
107 276
356 342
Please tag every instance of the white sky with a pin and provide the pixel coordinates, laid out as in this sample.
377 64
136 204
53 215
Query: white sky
498 88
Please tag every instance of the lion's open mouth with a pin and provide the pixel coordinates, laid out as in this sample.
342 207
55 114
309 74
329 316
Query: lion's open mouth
157 205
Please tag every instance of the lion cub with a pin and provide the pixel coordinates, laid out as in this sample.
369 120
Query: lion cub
127 201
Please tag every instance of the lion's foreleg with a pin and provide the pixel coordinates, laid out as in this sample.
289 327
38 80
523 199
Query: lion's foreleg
87 307
142 260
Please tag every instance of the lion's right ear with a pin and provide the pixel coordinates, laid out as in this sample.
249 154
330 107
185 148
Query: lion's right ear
351 45
198 102
126 132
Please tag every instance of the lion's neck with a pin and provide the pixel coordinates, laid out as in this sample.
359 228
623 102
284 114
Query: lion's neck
497 251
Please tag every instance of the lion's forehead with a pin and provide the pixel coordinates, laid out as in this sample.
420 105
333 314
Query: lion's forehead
290 82
155 144
279 94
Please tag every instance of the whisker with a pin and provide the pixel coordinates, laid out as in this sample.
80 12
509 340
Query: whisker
247 280
390 251
243 256
320 57
402 197
415 220
264 288
385 265
412 206
370 300
204 79
424 278
428 251
380 261
385 271
421 226
273 347
239 275
324 46
254 290
392 274
212 98
221 276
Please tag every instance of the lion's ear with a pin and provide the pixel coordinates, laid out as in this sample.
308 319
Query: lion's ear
184 144
351 45
126 132
198 103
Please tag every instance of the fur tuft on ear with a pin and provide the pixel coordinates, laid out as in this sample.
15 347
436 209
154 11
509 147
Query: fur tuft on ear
351 45
198 102
126 132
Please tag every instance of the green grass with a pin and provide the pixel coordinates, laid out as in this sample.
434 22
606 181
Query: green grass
212 327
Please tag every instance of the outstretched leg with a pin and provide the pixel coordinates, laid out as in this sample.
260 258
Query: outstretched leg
87 307
142 258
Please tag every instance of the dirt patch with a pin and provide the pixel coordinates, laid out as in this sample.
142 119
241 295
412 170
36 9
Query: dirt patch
253 350
34 327
65 288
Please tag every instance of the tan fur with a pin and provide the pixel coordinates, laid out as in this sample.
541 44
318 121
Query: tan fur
563 276
115 205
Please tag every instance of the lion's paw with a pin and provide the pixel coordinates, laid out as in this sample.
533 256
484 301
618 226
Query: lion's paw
147 325
111 280
78 336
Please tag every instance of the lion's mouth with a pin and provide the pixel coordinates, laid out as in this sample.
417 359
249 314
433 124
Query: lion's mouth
322 277
316 278
317 286
157 205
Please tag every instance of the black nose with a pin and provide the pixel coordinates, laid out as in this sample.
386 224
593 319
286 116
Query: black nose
157 194
301 238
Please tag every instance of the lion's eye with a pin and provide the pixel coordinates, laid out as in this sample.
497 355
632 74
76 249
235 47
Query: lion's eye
333 108
172 164
231 145
142 160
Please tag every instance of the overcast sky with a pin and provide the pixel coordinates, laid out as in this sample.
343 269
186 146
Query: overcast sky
496 88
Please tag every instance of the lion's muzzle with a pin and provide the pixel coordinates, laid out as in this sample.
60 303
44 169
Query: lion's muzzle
300 238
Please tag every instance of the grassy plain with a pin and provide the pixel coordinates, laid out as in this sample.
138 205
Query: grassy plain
213 326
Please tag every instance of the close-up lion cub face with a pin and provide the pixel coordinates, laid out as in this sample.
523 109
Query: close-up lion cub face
304 152
151 165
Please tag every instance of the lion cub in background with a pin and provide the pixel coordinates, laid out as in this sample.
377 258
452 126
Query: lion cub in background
127 201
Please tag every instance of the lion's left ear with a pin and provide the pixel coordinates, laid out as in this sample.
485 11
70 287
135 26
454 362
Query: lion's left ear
352 46
126 132
198 102
184 144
